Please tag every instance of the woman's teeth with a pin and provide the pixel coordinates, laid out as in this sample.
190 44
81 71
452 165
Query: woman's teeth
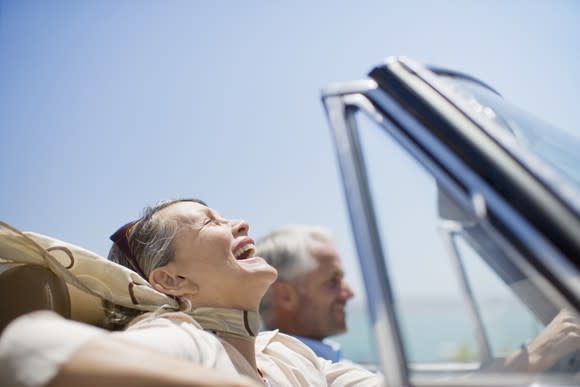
246 251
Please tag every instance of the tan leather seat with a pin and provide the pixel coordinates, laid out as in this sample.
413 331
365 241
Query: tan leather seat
26 288
41 272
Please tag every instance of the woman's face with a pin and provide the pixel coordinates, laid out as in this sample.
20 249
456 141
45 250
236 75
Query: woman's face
214 263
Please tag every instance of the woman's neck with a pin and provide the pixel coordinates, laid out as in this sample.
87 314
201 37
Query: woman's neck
228 322
246 348
235 327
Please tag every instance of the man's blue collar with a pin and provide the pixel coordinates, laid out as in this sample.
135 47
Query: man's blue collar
327 349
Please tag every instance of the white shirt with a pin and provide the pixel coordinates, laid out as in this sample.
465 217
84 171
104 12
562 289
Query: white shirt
34 347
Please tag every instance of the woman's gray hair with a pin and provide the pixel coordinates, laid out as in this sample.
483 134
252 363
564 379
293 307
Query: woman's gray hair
150 240
288 250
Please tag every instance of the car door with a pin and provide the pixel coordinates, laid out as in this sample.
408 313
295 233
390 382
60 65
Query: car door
466 220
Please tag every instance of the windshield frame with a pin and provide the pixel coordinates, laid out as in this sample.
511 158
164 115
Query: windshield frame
430 101
543 168
401 118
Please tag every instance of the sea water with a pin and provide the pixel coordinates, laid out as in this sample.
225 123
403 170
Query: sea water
439 331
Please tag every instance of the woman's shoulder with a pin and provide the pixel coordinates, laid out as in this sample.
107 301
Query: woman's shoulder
174 333
163 318
177 334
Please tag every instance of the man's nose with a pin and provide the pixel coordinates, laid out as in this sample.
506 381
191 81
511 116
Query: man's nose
346 291
240 227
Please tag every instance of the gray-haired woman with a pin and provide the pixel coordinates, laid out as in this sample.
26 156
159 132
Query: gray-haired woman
186 250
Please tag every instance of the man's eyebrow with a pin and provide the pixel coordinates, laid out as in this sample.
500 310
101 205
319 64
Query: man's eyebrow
337 272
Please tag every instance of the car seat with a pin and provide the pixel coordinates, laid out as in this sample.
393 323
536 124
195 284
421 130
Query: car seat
39 272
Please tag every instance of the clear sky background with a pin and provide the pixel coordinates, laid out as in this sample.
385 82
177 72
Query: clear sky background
108 106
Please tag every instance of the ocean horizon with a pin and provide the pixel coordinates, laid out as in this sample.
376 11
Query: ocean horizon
441 331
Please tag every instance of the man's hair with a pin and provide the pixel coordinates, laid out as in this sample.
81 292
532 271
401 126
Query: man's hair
287 249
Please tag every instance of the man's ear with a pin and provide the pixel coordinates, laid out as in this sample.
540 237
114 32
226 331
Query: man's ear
164 280
285 295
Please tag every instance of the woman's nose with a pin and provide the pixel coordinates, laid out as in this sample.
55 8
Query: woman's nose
241 227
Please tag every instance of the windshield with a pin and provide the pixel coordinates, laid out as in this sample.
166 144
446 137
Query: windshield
555 147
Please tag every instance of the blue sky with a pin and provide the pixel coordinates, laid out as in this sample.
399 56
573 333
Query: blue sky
107 106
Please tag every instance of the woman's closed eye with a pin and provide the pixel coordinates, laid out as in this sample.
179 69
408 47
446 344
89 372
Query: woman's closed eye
209 220
212 220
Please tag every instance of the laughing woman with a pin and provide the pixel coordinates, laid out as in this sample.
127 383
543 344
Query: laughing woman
188 251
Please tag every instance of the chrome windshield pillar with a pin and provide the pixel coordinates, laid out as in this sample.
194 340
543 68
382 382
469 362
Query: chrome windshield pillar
340 109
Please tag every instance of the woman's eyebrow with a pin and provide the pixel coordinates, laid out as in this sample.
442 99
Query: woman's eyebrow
209 212
195 218
213 213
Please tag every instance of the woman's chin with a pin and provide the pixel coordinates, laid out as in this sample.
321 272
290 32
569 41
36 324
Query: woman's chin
258 265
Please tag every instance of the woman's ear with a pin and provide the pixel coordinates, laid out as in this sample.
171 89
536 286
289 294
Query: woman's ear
165 281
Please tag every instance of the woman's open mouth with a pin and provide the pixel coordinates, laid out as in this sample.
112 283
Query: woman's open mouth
245 250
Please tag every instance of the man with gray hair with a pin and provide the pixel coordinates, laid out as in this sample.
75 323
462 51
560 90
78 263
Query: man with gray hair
308 299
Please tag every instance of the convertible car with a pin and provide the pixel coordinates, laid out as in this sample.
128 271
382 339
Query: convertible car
466 216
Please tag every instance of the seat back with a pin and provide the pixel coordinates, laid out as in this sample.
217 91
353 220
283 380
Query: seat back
41 272
25 288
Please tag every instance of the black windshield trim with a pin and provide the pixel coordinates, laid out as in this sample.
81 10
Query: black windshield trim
496 173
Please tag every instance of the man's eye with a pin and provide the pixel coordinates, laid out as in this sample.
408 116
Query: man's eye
333 283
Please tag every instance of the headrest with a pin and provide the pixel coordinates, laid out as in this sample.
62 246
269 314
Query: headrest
88 277
25 288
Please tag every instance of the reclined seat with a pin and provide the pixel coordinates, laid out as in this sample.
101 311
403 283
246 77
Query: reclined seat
39 272
25 288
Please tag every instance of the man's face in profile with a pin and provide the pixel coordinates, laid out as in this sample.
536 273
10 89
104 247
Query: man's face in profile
323 294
